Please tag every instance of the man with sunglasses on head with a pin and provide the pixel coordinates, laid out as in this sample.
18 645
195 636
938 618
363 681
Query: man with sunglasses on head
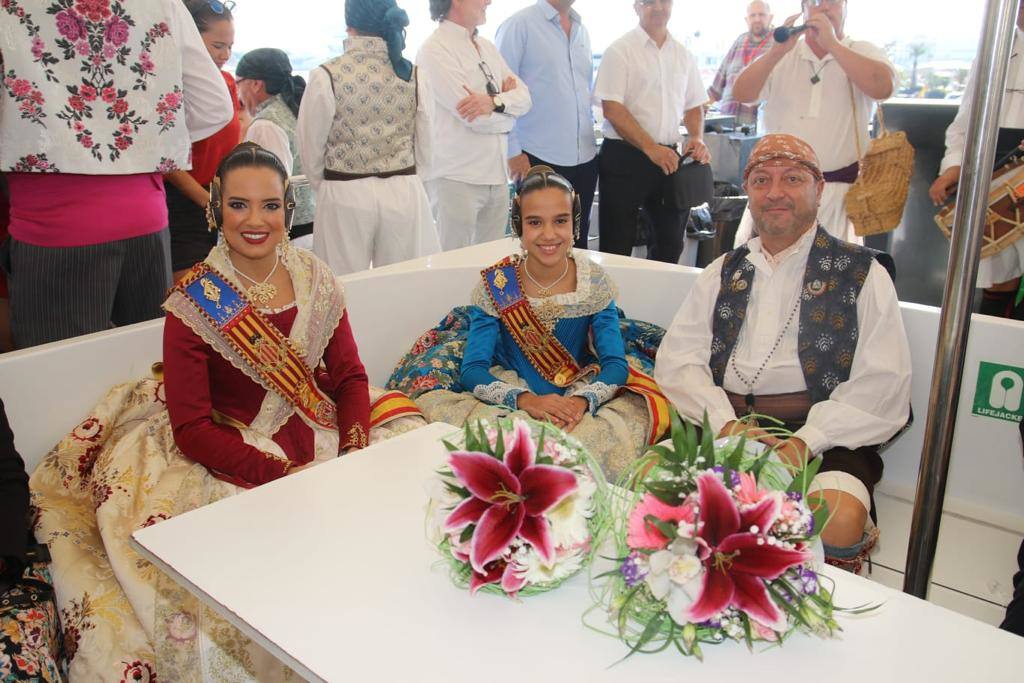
549 47
475 101
821 86
647 82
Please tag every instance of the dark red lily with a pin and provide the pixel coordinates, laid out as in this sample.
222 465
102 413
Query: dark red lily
508 498
739 560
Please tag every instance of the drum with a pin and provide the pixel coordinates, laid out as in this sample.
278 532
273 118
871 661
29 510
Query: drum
1004 220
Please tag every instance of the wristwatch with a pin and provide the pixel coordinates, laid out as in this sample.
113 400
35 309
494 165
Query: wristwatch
499 106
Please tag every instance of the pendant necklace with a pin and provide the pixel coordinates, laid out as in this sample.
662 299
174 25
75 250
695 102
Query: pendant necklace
749 398
261 292
545 290
816 75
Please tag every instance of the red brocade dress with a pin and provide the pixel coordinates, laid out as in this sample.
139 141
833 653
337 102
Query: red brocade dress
212 425
198 380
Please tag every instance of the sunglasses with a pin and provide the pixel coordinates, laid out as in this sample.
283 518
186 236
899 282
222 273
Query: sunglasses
219 7
492 87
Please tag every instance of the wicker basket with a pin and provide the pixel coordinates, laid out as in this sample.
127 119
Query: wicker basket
875 202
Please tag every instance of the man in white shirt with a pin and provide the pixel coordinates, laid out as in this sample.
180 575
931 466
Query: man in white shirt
646 83
476 99
805 328
821 87
999 274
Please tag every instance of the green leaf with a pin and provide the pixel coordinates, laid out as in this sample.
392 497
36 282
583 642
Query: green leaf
691 443
664 491
651 630
457 490
747 636
666 529
540 439
707 441
499 447
735 459
803 478
472 444
467 533
450 446
821 517
678 435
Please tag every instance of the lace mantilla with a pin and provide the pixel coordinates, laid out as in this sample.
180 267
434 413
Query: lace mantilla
594 291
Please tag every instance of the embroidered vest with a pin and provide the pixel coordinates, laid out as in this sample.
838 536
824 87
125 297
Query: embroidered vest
375 112
91 87
277 112
827 337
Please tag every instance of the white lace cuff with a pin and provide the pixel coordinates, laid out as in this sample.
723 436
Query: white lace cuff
499 393
596 393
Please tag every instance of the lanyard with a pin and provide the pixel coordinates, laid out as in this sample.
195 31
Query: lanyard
747 55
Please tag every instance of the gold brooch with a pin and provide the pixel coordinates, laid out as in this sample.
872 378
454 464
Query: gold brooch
211 291
500 280
816 287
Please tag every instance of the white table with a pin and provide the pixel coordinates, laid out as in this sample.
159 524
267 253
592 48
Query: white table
330 570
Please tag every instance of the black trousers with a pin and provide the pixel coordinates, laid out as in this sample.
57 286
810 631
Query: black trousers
1014 621
584 178
629 181
63 292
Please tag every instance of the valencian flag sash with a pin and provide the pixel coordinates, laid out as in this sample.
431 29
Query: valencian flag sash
267 351
547 354
392 405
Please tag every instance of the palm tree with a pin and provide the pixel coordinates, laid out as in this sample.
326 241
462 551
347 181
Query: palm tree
917 50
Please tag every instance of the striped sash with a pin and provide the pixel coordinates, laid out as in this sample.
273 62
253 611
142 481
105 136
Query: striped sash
268 352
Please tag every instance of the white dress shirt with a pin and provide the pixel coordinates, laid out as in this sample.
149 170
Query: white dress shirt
867 409
1011 115
656 85
208 106
470 152
822 113
272 138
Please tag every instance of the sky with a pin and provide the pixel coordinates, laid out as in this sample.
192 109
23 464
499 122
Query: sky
311 30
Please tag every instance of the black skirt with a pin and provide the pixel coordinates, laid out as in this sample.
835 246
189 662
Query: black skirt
191 239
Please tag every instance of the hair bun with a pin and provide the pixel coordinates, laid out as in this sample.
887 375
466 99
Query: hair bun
396 17
539 169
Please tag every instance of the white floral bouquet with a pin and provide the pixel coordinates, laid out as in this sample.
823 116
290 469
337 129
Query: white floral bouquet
713 542
518 507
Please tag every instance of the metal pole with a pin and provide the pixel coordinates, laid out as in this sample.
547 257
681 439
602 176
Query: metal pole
958 299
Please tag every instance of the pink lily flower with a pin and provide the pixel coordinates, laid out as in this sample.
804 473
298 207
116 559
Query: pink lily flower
508 499
738 559
749 493
641 535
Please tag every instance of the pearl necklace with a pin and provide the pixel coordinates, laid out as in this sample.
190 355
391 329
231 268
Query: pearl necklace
261 292
545 290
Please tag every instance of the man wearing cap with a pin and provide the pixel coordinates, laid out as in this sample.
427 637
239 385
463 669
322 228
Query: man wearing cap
803 327
821 86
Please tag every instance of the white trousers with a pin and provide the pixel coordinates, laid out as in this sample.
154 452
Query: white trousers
467 214
1006 265
372 221
831 215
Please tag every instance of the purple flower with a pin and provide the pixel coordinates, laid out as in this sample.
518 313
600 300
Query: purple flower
634 569
70 26
808 581
116 31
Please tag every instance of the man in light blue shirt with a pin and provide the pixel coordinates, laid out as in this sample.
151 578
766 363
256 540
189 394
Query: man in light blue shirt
547 46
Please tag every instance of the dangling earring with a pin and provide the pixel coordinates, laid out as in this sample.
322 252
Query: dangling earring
523 254
211 219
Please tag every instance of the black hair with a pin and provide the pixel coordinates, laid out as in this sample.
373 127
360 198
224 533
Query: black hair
542 177
251 155
203 13
439 9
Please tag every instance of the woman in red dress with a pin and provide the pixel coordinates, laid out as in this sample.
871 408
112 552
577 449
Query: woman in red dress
260 377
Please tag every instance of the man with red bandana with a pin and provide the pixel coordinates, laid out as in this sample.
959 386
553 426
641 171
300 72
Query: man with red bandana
804 328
